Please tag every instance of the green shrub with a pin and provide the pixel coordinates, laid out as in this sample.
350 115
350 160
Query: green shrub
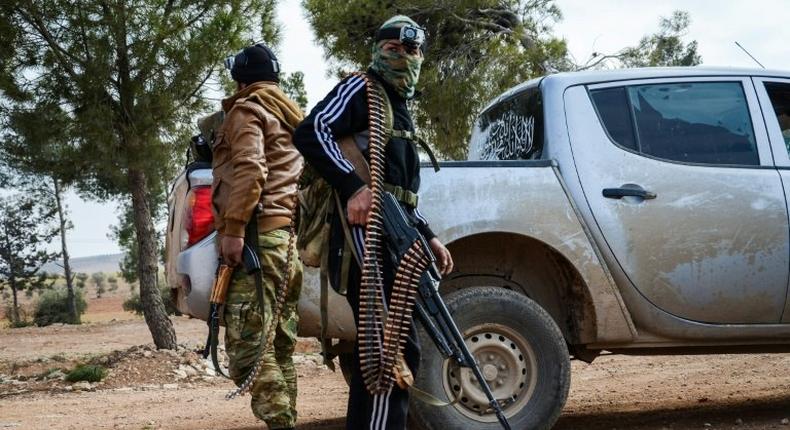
134 304
45 374
86 372
82 278
24 316
53 307
21 323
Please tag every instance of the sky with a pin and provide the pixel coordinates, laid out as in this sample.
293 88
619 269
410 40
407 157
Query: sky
603 26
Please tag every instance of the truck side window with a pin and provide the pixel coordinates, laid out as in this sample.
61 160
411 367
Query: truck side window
780 100
613 106
510 130
702 123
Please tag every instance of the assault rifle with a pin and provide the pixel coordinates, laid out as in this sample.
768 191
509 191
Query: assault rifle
219 291
430 307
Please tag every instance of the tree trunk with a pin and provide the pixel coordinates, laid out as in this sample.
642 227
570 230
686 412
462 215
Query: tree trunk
153 309
15 314
74 316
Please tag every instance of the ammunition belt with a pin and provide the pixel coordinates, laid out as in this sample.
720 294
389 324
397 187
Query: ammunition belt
383 327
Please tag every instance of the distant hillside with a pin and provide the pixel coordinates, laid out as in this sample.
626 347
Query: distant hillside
97 263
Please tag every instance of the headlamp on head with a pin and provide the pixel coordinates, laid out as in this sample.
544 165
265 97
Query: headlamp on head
412 36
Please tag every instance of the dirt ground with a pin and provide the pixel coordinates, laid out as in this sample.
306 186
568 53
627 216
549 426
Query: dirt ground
144 389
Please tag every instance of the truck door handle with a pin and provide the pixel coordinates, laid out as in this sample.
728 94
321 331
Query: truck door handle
618 193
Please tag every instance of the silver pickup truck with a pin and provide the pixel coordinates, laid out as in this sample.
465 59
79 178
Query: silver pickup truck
635 211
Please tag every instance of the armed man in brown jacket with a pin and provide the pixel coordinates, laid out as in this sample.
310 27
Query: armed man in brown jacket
256 168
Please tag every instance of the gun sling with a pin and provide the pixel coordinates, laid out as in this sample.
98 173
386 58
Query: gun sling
252 266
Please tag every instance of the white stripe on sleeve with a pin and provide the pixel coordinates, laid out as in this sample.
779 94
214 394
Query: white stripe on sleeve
419 216
330 113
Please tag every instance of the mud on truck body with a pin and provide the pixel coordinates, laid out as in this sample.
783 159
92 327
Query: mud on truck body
638 212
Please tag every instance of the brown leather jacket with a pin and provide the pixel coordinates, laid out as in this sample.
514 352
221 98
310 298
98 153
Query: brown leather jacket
255 160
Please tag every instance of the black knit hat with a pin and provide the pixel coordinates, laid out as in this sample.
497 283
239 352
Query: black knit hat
253 64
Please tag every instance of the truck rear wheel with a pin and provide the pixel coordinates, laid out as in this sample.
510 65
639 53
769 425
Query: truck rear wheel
522 355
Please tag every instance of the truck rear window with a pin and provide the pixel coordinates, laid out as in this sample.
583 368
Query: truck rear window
693 122
510 130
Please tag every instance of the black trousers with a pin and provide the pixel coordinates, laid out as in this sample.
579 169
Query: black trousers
385 411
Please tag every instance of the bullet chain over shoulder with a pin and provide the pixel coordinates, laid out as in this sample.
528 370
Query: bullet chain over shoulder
383 329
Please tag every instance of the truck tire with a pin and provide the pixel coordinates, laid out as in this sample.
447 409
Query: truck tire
521 351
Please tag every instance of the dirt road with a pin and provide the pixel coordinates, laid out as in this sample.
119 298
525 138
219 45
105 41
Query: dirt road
646 393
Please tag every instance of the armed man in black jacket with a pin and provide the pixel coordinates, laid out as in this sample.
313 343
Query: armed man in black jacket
397 57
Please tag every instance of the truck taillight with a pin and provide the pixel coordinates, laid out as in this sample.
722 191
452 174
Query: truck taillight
199 219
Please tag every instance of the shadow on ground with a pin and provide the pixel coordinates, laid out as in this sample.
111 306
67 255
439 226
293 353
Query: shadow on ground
330 424
333 424
760 412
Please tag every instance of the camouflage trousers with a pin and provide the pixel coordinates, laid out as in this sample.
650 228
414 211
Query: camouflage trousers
274 390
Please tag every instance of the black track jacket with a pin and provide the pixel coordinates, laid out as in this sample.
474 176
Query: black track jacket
344 112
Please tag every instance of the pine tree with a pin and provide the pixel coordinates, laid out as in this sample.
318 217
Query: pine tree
128 76
25 228
45 164
293 86
664 48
